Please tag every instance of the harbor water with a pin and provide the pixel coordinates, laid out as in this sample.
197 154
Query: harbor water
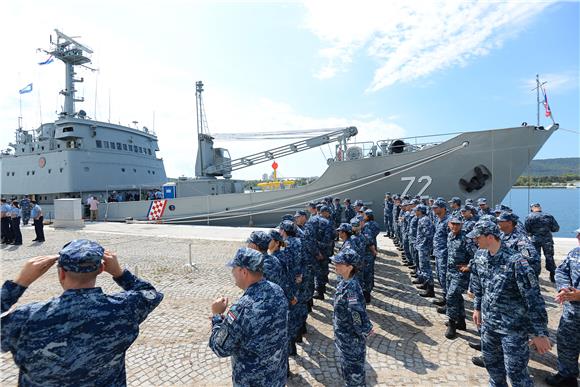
562 203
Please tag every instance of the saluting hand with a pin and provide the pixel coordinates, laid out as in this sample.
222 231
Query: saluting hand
34 268
219 305
111 264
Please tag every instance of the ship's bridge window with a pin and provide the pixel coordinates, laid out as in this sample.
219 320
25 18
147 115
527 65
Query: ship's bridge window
140 150
119 146
125 147
149 151
106 143
130 148
12 173
68 129
99 144
136 149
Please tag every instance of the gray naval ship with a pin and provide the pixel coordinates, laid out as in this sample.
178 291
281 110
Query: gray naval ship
76 155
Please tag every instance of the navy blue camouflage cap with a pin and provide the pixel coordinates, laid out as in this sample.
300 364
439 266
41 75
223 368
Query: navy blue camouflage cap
324 209
355 222
415 201
276 236
311 205
362 209
506 216
368 211
346 256
337 200
81 256
358 203
481 201
439 204
484 227
247 258
287 217
319 206
346 227
467 207
422 208
535 205
488 217
300 213
455 200
287 226
347 200
360 218
455 220
260 239
497 209
469 201
387 194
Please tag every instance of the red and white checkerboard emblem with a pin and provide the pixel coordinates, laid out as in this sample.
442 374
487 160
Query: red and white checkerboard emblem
156 209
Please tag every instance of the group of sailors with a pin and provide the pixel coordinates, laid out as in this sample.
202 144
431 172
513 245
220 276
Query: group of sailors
13 212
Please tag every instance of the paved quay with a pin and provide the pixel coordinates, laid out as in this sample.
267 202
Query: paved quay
407 349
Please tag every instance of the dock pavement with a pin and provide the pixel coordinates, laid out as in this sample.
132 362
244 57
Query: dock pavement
187 263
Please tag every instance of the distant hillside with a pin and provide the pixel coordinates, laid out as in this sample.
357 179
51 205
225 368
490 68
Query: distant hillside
554 167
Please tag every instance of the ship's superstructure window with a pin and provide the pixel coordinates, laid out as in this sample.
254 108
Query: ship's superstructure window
12 173
124 146
33 172
136 149
60 170
86 169
119 146
27 173
134 170
99 144
106 144
149 151
68 129
32 149
122 169
49 170
42 147
130 148
140 150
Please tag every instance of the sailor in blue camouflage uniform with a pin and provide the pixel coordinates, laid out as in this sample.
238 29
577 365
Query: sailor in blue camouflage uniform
517 240
388 214
440 246
273 269
311 248
403 224
412 223
424 243
349 211
568 287
350 321
337 210
325 240
56 342
254 331
360 244
455 206
508 306
25 207
300 218
468 216
460 252
370 230
483 207
353 242
540 226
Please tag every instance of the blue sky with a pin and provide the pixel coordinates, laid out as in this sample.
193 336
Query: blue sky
390 68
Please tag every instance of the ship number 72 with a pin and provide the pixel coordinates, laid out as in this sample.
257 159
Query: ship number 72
411 180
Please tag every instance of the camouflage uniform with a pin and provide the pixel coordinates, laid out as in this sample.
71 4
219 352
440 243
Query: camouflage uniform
349 213
540 227
325 241
254 331
424 242
57 343
311 250
440 249
25 207
351 325
460 252
568 275
388 213
337 213
508 295
521 243
370 231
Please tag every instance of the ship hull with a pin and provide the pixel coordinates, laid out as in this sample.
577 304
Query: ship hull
470 165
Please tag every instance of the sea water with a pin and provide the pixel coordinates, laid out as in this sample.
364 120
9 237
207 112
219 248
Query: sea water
562 203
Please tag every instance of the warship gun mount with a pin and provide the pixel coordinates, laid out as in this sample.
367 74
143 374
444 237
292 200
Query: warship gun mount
212 163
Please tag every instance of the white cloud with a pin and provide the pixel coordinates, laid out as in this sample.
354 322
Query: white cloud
410 40
555 82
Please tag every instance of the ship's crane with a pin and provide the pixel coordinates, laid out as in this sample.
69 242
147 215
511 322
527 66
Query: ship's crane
213 162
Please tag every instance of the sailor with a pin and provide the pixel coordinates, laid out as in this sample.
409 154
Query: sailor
412 223
325 239
540 226
483 207
337 208
38 219
300 218
5 219
424 243
455 206
568 286
15 223
440 248
359 243
467 214
460 252
296 267
517 240
254 331
25 208
508 306
396 226
388 214
370 230
350 321
273 269
349 212
56 342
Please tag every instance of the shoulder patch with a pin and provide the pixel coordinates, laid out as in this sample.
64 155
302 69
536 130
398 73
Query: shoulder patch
352 300
356 319
232 315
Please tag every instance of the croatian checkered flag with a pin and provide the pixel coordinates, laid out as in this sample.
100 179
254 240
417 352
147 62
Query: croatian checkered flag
156 209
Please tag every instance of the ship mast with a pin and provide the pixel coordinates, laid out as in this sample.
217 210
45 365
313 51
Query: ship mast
72 54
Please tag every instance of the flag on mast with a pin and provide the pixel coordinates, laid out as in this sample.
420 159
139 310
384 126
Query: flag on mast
546 105
26 89
48 61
